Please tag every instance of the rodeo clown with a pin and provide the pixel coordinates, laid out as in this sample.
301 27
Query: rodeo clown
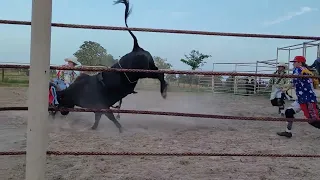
68 76
277 95
306 97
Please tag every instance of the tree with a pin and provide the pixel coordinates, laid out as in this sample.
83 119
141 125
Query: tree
195 59
93 54
161 63
109 61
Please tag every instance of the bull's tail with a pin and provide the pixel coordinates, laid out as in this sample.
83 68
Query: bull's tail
126 15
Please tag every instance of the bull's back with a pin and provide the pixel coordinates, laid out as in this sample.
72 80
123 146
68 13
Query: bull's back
81 76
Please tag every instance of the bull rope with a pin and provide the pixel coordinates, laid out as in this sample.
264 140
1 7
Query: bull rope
57 153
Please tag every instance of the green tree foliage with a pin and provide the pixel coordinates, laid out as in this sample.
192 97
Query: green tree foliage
161 63
195 59
93 54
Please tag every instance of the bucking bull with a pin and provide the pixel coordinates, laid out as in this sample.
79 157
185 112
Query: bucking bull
57 84
103 90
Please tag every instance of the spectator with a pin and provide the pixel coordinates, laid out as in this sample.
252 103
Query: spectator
68 76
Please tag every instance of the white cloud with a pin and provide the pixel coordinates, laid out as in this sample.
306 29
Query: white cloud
289 16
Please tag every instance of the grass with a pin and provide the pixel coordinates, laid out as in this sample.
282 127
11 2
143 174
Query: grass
12 78
15 80
19 79
13 85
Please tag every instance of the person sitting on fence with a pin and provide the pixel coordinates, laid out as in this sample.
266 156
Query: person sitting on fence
306 97
316 64
278 96
68 76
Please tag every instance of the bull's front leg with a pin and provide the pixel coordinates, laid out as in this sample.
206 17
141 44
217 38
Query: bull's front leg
160 77
163 85
97 117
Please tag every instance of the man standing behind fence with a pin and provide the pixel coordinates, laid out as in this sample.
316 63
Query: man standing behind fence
68 76
316 65
277 96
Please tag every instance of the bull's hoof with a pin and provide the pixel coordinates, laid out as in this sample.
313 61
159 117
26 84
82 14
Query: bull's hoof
94 127
121 130
164 93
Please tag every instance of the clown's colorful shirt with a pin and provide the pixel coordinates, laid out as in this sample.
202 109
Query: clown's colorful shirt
304 86
68 76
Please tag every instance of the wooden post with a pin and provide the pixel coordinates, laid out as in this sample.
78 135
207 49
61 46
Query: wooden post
2 75
212 84
37 134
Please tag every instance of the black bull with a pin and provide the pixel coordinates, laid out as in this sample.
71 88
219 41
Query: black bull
57 88
103 90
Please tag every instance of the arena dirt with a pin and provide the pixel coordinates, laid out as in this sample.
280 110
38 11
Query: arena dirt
165 134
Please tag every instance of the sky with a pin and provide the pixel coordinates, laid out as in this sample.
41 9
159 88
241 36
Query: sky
286 17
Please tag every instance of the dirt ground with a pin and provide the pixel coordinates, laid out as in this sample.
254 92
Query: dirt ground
165 134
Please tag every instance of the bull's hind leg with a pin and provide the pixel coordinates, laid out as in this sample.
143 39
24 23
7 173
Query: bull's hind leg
114 120
118 107
97 117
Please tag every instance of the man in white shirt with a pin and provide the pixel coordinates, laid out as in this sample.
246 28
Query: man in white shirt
68 76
